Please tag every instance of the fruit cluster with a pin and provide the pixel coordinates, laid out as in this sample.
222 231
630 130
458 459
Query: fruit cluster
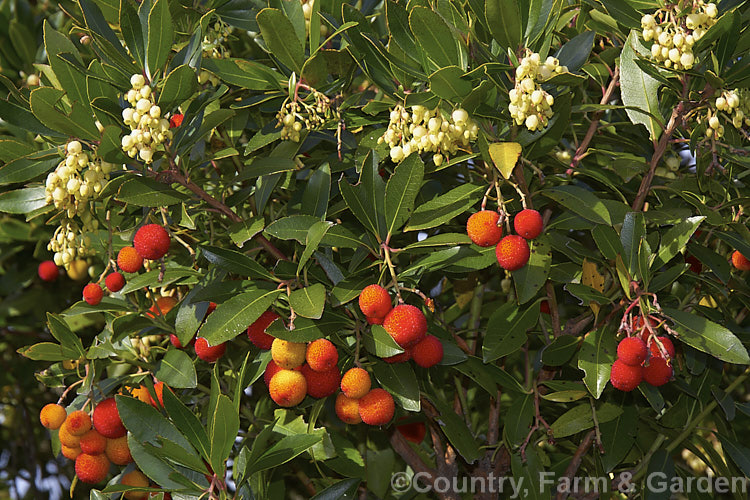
68 241
148 129
731 105
512 251
531 105
216 36
644 356
297 114
427 130
94 442
151 242
675 32
672 163
76 180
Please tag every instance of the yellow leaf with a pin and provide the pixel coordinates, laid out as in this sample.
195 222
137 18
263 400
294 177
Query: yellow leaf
505 155
591 277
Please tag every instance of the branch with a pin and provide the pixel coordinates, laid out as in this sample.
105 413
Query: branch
575 462
580 153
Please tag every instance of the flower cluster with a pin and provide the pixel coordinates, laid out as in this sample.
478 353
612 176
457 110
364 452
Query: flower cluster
427 130
213 43
674 34
148 128
297 114
733 106
76 180
69 243
529 103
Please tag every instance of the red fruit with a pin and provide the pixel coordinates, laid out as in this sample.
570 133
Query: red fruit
93 443
321 384
374 321
428 352
78 423
322 355
406 324
114 282
52 416
355 383
657 372
376 407
271 369
162 306
666 342
93 293
740 261
209 353
176 341
625 377
482 228
151 242
544 307
107 419
399 358
48 271
211 308
528 223
176 120
695 265
632 351
128 260
414 432
347 409
92 469
375 302
639 325
257 331
512 252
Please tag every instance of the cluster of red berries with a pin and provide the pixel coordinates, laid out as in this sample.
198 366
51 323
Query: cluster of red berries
94 442
406 324
643 357
151 242
740 262
484 229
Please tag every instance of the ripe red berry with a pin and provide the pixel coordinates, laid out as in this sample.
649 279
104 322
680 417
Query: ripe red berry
374 321
271 369
512 252
48 271
355 383
406 324
375 302
93 443
107 419
321 384
176 120
740 261
544 307
114 282
695 265
257 331
414 431
482 228
625 377
92 469
322 355
93 293
128 260
377 407
151 241
666 343
399 358
632 351
528 223
657 372
209 353
176 341
428 352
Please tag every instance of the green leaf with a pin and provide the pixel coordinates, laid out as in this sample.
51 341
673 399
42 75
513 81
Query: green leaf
596 357
132 31
618 437
151 278
279 36
623 13
317 192
708 337
342 489
607 241
145 192
560 350
660 466
444 208
401 191
189 423
158 36
78 123
380 343
22 201
235 262
249 75
176 369
399 379
180 84
69 342
309 302
447 83
579 200
675 240
581 417
506 330
307 330
576 51
640 92
315 235
433 36
457 432
530 278
43 351
518 419
504 21
29 167
223 427
739 454
282 452
234 316
632 237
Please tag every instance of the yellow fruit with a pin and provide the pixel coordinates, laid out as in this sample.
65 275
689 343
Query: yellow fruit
78 270
288 355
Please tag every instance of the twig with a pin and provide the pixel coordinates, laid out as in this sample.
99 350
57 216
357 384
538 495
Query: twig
575 462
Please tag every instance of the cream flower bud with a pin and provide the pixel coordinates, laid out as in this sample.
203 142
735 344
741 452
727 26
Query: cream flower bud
137 81
155 112
687 59
143 106
74 147
460 116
